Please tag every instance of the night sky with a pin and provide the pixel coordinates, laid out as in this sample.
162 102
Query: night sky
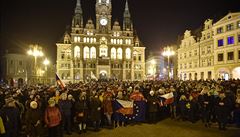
158 22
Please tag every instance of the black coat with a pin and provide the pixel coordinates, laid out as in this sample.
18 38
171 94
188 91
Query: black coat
95 112
152 103
222 111
81 107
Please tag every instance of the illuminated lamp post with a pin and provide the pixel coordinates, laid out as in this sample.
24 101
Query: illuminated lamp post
35 51
168 52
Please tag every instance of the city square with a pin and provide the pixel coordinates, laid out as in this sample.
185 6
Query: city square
120 68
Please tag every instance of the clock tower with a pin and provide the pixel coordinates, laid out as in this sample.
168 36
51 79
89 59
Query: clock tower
103 15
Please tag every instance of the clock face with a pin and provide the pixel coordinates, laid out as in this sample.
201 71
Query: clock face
103 21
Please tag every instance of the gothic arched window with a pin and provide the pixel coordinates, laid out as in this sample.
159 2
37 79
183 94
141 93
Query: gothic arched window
128 53
77 52
86 53
119 53
93 52
113 53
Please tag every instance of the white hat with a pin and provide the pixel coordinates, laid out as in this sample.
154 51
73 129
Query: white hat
33 104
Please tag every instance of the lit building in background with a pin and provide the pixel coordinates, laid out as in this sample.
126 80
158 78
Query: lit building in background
216 54
103 50
155 66
226 41
19 69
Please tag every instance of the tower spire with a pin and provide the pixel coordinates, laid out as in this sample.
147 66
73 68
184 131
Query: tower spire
126 12
78 8
127 23
78 19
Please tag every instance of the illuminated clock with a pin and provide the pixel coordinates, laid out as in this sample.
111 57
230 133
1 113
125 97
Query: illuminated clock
103 21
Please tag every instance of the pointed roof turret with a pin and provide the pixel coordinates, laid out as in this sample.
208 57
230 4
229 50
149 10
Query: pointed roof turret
126 12
78 8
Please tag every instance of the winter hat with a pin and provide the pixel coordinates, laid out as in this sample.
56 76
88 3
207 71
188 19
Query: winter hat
33 104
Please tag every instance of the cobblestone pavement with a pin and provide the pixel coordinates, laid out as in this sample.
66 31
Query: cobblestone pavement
165 128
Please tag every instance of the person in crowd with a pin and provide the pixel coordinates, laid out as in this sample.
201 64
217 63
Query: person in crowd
34 120
81 112
65 106
53 119
152 103
119 119
108 106
95 111
173 106
193 110
222 110
205 106
183 108
11 118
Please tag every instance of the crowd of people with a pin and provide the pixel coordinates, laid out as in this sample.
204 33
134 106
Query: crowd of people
42 110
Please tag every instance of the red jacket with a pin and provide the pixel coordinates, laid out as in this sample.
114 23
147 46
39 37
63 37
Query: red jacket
52 116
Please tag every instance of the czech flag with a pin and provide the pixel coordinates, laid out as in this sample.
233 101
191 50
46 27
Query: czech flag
123 107
60 82
168 98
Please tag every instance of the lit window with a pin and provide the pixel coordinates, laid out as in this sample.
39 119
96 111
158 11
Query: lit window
77 52
128 53
238 24
78 39
121 41
84 39
119 53
220 42
220 57
113 53
114 41
230 40
86 52
126 41
87 40
117 41
229 27
230 55
75 39
219 30
94 40
91 40
93 53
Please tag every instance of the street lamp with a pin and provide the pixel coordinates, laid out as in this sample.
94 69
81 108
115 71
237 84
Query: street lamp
35 51
168 51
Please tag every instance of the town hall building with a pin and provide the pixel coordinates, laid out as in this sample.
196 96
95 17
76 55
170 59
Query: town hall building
100 49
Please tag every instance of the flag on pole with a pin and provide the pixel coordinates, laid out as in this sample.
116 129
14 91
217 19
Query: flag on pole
60 82
168 98
93 76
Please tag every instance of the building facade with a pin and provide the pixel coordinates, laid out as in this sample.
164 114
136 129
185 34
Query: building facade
227 46
215 54
100 50
15 69
20 69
